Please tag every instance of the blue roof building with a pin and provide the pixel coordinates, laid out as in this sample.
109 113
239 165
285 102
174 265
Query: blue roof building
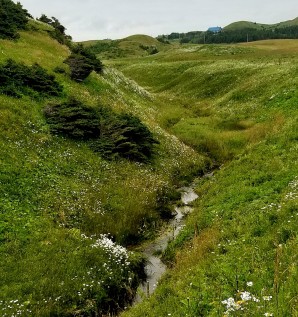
215 29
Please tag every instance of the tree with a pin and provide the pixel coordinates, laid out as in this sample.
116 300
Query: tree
59 30
12 18
45 19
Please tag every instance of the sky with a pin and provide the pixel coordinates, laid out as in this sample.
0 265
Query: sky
115 19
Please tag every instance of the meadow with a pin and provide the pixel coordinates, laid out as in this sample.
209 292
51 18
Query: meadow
237 104
71 220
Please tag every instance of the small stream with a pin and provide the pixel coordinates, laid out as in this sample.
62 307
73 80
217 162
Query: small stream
155 268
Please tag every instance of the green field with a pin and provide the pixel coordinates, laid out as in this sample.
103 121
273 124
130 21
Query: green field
69 216
236 104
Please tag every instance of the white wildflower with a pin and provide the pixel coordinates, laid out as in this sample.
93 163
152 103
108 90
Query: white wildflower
245 296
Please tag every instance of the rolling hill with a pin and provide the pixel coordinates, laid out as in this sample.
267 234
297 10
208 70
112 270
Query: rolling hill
239 25
135 45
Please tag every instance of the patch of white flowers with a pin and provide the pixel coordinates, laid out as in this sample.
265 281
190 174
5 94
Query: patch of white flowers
120 253
233 305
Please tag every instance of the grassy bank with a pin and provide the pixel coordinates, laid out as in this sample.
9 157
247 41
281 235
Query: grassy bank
237 255
66 212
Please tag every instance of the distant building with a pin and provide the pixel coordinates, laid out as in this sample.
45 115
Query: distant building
215 29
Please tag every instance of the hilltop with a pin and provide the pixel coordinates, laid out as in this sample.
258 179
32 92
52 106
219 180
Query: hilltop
132 46
239 25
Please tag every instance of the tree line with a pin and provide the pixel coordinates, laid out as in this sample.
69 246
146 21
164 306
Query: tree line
233 36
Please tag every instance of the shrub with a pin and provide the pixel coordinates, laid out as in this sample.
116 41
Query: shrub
112 135
82 62
12 18
126 136
73 119
17 79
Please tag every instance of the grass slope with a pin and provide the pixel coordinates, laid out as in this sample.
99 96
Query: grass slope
239 25
237 104
132 46
59 199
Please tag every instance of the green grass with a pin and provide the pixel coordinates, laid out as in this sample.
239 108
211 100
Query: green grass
131 46
55 191
233 108
243 114
259 26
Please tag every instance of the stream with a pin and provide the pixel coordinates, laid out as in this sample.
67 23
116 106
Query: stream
155 267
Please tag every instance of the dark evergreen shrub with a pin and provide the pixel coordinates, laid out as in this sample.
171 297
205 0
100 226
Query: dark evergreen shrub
12 18
110 134
17 79
136 141
82 62
73 119
80 67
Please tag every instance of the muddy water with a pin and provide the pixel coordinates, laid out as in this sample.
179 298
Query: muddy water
155 268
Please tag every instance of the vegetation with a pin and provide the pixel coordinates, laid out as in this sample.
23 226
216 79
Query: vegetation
238 32
12 18
68 214
58 31
106 132
237 254
17 79
82 62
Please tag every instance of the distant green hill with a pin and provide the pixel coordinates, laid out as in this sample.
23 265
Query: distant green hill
240 25
238 32
133 46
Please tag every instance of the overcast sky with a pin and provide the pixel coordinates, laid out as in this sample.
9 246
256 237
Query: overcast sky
100 19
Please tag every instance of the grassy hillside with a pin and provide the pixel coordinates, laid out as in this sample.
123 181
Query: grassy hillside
65 211
259 26
245 25
237 104
132 46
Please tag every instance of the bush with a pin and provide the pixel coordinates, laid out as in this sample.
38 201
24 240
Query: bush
17 79
12 18
82 62
126 136
73 120
110 134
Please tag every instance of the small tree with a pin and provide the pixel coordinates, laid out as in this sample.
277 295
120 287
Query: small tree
59 30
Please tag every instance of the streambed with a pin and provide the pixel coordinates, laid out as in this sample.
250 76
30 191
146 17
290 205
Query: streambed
155 267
